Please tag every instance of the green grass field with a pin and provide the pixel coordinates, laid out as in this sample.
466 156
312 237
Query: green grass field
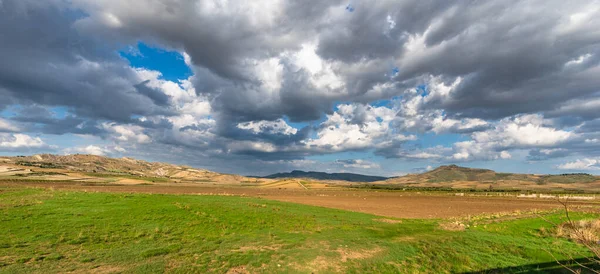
48 231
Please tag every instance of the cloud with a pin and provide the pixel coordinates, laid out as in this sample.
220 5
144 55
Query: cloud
493 86
272 127
514 133
357 163
356 127
500 77
7 126
126 133
95 150
21 142
156 95
91 149
545 154
519 132
422 169
61 66
583 164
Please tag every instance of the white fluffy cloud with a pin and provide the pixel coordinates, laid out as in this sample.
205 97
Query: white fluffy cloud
250 146
127 133
582 164
278 126
356 126
17 141
91 149
100 150
523 131
520 132
415 116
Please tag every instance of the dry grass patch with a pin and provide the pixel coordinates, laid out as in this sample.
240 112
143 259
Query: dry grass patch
404 239
321 263
102 269
259 248
584 231
453 226
238 270
347 254
389 221
325 263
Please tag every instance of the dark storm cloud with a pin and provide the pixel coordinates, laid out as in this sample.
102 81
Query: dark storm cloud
216 36
366 33
36 118
511 55
222 59
512 60
590 126
47 62
157 96
69 124
540 154
160 123
300 100
297 99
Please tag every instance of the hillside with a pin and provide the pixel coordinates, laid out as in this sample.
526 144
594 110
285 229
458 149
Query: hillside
82 166
98 169
350 177
453 176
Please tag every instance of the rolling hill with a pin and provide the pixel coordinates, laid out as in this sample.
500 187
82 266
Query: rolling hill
453 176
91 168
82 166
350 177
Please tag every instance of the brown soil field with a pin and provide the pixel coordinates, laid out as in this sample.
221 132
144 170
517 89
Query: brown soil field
389 204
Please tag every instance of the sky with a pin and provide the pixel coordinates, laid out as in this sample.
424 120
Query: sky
253 88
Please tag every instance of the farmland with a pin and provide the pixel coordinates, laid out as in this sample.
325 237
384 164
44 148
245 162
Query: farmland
54 229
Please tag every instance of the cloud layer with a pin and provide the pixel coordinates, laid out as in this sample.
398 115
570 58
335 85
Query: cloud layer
286 83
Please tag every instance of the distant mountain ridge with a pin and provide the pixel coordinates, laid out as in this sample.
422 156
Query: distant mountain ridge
350 177
449 176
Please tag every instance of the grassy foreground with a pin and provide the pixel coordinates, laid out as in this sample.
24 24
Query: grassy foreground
50 231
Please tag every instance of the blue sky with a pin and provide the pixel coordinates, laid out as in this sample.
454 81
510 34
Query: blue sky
379 90
171 64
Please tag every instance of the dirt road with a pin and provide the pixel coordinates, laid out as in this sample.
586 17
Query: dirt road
390 204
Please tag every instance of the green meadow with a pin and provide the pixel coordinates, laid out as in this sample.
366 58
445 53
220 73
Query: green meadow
47 231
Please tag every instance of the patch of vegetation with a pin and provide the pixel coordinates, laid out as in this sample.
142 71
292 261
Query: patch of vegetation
39 164
569 178
39 173
61 231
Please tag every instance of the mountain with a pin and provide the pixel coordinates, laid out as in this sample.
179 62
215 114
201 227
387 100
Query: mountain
452 173
351 177
453 176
